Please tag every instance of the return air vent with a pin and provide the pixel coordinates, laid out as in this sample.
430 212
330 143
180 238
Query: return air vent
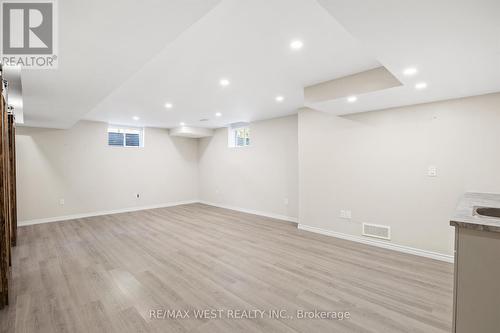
377 231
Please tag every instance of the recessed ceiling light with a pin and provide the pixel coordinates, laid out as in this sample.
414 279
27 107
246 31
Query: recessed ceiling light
218 114
296 44
280 98
224 82
421 85
352 99
182 124
169 105
135 118
410 71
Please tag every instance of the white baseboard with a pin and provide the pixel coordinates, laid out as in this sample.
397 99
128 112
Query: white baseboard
359 239
133 209
380 243
107 212
251 211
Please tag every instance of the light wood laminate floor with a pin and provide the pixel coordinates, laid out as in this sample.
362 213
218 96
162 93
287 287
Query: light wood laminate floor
105 274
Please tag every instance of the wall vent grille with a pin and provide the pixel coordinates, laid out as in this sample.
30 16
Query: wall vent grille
377 231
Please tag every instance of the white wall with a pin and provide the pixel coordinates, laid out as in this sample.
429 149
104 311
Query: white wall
78 166
256 178
375 164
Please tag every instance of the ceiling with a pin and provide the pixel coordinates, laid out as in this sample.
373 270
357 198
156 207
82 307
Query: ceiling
101 45
246 42
176 51
454 44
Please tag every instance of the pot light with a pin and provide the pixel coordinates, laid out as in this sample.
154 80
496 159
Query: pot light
135 118
296 44
169 105
182 124
279 99
410 71
224 82
218 114
421 85
352 99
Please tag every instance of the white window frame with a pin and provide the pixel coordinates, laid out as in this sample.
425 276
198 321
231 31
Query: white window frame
125 130
231 135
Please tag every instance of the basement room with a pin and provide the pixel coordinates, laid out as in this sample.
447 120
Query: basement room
196 166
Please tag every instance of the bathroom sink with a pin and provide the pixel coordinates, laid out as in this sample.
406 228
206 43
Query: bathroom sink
487 211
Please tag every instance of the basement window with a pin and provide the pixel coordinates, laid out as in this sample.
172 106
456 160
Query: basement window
239 135
119 136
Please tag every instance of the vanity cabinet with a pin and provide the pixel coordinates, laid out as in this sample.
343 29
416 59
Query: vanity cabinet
477 267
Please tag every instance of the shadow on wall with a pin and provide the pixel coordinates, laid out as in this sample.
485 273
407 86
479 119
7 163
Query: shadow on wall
203 145
181 145
38 150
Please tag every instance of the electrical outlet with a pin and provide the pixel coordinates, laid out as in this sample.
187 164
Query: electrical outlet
285 201
61 202
432 171
345 214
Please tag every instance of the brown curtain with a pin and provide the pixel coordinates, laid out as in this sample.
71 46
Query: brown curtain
12 179
8 213
4 221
